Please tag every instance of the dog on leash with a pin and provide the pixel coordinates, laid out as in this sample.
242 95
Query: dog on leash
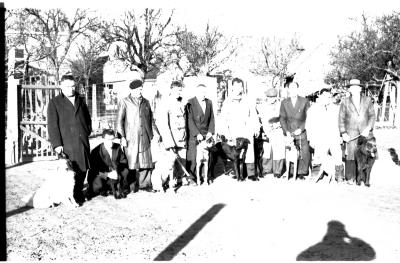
291 155
365 156
56 189
228 152
202 158
327 166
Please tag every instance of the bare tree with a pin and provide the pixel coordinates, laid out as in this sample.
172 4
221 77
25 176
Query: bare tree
49 34
276 56
202 54
87 60
141 38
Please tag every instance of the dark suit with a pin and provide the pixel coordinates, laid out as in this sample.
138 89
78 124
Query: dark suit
198 122
70 126
102 162
291 119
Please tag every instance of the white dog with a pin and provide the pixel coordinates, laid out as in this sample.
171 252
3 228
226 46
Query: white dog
202 157
327 166
56 189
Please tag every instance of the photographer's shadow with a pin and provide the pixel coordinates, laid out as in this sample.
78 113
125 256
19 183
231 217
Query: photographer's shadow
337 245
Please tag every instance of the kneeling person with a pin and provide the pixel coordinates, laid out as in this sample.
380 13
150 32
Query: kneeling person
109 170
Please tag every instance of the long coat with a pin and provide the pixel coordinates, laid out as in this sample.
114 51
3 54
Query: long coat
198 122
135 123
354 121
70 126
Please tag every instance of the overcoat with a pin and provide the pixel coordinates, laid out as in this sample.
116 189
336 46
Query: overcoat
102 161
135 123
199 122
354 121
70 126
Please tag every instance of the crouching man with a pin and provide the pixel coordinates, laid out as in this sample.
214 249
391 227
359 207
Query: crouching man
109 171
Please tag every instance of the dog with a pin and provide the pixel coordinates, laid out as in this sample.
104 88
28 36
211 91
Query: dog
258 153
292 155
328 167
56 189
365 156
226 152
202 157
113 183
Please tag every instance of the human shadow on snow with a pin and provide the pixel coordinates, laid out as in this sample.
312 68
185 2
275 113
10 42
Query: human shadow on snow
337 245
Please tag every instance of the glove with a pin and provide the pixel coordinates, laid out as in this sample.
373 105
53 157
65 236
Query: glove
200 137
59 149
365 132
346 137
297 132
123 142
112 175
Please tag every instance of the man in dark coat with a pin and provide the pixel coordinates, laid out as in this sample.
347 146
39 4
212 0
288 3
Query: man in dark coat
200 124
69 127
293 115
108 160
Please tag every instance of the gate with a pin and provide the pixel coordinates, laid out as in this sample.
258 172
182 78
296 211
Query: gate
33 141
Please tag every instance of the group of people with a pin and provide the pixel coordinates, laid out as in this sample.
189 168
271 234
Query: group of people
182 124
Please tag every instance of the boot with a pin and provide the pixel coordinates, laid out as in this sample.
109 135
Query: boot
339 173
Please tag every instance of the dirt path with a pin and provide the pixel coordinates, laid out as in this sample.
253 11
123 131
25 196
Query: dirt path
271 219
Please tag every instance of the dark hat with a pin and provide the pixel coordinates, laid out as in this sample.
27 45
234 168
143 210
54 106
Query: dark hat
135 84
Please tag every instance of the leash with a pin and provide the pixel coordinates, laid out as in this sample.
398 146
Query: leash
177 158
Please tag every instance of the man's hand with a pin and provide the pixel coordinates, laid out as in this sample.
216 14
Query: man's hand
123 142
200 137
209 135
365 132
345 137
59 149
297 132
112 175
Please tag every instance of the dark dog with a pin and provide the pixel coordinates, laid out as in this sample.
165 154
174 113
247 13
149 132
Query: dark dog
258 153
365 156
228 152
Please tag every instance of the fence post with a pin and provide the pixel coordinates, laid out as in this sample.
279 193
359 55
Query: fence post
94 107
12 151
397 114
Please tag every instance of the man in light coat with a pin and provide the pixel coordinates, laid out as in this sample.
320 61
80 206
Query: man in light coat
135 125
356 117
239 120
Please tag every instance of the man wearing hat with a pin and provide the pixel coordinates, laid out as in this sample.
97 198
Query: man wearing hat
356 117
69 127
274 150
135 125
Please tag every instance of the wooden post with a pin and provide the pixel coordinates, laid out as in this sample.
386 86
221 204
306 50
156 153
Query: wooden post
397 111
12 131
94 107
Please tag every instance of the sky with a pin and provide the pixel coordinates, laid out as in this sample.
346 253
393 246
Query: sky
312 21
